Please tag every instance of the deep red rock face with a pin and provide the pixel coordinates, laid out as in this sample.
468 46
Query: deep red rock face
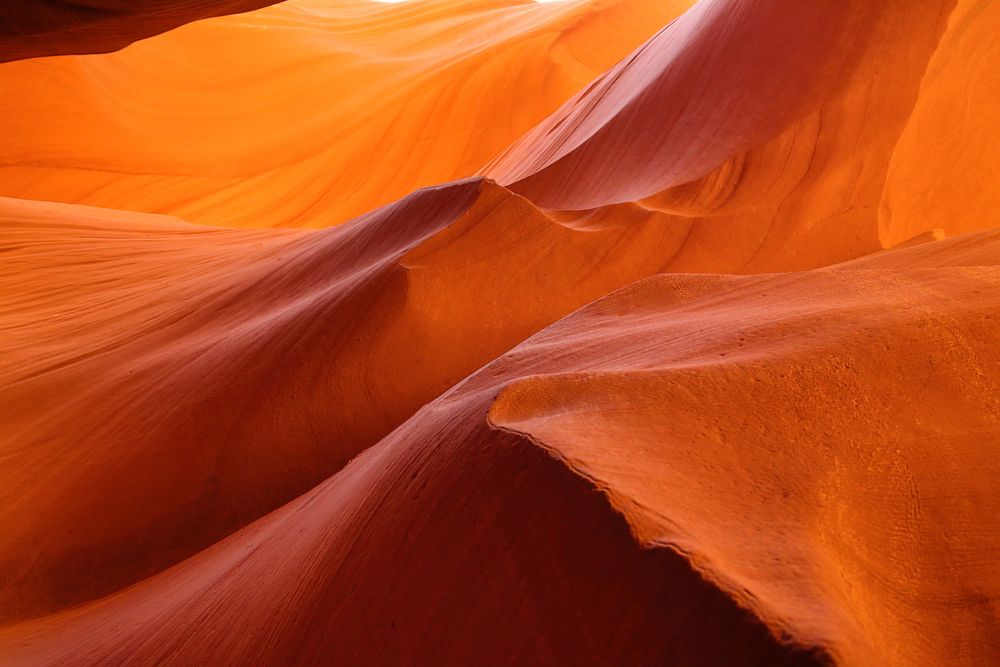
458 332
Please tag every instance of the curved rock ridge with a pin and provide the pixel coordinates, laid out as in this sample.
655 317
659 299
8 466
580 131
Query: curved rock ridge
366 569
973 249
211 374
307 113
771 126
799 437
751 424
718 84
701 370
35 28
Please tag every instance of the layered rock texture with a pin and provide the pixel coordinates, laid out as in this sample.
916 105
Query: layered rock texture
494 332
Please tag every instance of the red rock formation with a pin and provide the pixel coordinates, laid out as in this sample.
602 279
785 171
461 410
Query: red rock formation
707 378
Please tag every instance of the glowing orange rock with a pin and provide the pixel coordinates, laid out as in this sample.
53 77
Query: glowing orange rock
306 113
520 418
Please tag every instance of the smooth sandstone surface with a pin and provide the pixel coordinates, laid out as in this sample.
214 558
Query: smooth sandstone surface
653 395
767 126
943 169
701 370
306 113
212 374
